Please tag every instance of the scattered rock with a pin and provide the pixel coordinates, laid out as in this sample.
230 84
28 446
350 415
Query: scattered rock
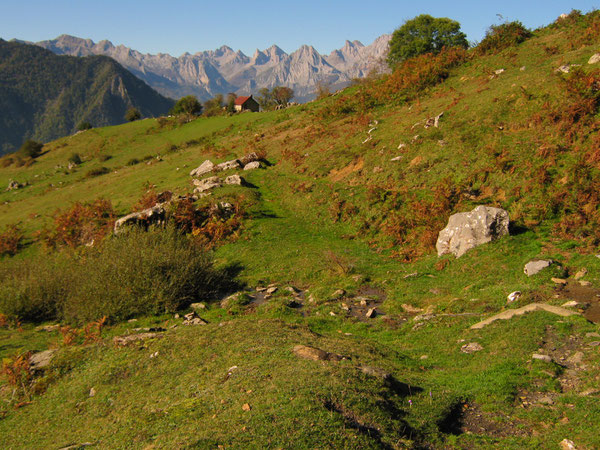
375 372
523 69
377 169
592 334
92 392
206 184
581 273
540 357
567 68
584 283
246 407
433 121
206 167
546 400
576 358
292 289
233 164
471 347
253 165
41 360
49 328
470 229
535 266
234 179
12 185
315 354
499 71
558 280
272 290
371 313
411 275
397 158
193 319
338 294
249 158
513 296
595 59
411 309
571 304
567 444
134 338
198 306
151 216
509 314
401 146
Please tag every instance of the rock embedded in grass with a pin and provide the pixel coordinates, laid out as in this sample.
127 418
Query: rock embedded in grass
206 167
470 229
315 354
536 266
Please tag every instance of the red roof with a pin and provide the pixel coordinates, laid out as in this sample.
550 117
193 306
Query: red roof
242 100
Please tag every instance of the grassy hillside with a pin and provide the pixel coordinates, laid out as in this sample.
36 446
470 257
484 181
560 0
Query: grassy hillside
334 208
44 96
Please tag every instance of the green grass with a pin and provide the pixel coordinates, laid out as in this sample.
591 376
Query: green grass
328 213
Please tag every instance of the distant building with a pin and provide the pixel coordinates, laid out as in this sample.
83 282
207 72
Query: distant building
246 104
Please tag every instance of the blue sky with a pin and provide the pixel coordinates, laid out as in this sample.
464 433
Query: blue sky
175 27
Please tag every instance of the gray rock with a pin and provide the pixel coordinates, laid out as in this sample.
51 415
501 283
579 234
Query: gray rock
193 319
371 313
513 296
375 372
471 347
206 167
234 180
540 357
12 185
41 360
150 216
315 354
595 59
233 164
252 165
534 267
470 229
206 184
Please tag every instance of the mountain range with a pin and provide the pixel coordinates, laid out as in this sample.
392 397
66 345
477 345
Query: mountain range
224 70
44 96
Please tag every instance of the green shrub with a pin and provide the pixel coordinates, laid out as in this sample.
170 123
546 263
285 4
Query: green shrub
84 126
133 274
499 37
97 172
31 149
75 158
133 162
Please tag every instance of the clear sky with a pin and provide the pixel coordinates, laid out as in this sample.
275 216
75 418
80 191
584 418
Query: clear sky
179 26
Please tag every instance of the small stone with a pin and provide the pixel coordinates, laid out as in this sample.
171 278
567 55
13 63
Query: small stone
345 307
315 354
558 280
411 309
233 164
594 344
338 293
272 290
253 165
534 267
513 296
523 69
396 158
234 180
423 357
545 401
401 146
581 273
363 302
371 313
567 444
92 392
595 59
570 304
584 283
375 372
246 407
198 306
292 289
471 347
499 71
540 357
41 360
592 334
576 358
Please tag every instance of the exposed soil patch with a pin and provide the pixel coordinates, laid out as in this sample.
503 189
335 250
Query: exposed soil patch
469 418
337 175
587 296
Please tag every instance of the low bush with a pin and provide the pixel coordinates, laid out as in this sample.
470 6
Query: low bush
97 172
135 273
11 240
75 158
81 224
499 37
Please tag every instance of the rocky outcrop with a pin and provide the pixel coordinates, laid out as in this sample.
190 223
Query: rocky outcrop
151 216
41 360
13 185
206 184
204 168
470 229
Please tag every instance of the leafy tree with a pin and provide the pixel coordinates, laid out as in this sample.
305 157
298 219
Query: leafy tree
282 95
31 149
231 102
132 114
424 34
265 99
187 105
214 106
499 37
84 126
